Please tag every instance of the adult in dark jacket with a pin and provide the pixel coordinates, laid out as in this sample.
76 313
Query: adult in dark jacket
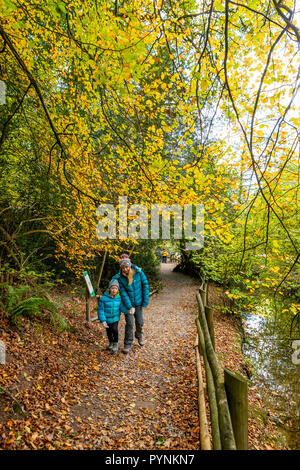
134 292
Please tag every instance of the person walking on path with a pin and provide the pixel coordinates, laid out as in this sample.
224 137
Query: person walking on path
134 292
109 311
164 254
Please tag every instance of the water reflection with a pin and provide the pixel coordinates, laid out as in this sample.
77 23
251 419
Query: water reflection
268 345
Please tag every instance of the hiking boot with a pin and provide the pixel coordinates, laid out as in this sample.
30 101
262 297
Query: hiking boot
114 349
141 341
109 346
126 349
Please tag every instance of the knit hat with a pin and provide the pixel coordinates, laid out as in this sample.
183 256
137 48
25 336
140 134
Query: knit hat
113 282
125 262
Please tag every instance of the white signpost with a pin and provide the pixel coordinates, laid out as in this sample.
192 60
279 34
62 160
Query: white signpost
89 284
89 293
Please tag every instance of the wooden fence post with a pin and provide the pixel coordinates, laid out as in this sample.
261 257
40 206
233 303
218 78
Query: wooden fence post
237 395
203 426
210 324
214 416
203 296
226 431
206 293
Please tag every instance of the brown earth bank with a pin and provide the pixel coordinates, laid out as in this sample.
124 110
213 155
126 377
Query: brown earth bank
76 395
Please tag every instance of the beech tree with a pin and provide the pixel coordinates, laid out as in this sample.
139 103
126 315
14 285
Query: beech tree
133 99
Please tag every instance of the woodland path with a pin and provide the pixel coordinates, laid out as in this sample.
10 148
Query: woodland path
76 395
148 398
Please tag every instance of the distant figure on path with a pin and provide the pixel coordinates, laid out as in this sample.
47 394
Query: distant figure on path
164 254
134 292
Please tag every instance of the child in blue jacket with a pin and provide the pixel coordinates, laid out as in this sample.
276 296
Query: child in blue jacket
134 292
109 311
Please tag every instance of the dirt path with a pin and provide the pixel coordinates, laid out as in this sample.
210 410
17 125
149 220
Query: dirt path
76 395
148 399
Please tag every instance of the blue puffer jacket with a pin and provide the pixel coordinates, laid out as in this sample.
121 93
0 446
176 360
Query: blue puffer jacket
110 308
137 294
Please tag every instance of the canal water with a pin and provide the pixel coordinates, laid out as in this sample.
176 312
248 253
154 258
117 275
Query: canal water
271 345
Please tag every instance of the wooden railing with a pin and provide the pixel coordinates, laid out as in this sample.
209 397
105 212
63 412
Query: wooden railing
227 393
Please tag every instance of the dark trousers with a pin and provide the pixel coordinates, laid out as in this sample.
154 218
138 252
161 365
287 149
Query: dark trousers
112 332
138 317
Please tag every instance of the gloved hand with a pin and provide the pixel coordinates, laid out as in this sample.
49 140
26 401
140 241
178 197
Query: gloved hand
131 311
105 324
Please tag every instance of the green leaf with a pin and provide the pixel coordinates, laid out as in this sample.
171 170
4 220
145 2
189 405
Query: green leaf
160 441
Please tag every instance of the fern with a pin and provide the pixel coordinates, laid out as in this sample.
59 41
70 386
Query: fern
58 322
32 306
14 295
